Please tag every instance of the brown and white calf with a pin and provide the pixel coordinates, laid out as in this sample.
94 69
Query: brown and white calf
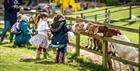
123 51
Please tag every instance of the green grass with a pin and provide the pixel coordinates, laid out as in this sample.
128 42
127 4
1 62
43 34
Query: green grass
23 59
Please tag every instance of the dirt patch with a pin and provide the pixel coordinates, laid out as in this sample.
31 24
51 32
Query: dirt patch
98 59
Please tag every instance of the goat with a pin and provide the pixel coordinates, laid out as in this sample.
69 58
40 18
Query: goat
124 51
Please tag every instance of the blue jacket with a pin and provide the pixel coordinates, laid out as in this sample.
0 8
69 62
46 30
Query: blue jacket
24 36
60 36
10 10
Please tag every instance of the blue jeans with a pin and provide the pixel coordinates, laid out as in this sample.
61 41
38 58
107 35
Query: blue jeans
31 3
7 25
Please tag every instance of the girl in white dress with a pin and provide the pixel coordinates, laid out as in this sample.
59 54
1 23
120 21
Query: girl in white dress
41 39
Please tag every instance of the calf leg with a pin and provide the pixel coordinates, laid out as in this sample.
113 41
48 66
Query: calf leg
90 46
87 43
110 64
95 44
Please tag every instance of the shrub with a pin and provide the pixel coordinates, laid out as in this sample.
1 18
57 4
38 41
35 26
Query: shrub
112 2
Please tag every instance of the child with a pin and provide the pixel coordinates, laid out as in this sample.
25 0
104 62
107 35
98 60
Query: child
23 36
60 37
41 38
15 27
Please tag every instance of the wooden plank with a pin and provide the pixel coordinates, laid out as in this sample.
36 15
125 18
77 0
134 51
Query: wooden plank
139 50
113 40
96 10
77 44
90 50
124 9
121 42
109 25
104 55
103 14
123 28
130 12
123 60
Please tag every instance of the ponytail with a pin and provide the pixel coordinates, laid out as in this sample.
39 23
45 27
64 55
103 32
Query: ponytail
38 18
41 15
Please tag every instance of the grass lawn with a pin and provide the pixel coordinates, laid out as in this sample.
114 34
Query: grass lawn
23 59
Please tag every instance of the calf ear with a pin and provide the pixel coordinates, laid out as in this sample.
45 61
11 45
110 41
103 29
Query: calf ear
96 29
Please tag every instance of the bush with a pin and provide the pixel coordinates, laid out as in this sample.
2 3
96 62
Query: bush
112 2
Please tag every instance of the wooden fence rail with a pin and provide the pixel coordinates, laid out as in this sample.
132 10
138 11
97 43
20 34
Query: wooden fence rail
107 13
104 55
109 25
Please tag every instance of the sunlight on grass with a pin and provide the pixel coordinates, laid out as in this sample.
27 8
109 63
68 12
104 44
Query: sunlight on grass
23 59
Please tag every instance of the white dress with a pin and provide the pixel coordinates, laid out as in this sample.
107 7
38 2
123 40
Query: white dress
41 39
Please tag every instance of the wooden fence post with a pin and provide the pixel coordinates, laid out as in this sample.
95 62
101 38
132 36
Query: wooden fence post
105 57
130 12
108 16
105 13
96 18
77 44
70 23
139 50
77 41
82 15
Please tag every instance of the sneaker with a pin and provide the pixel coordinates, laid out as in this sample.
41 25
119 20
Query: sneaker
14 45
27 9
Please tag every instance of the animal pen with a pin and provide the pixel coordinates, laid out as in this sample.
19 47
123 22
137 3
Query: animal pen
104 55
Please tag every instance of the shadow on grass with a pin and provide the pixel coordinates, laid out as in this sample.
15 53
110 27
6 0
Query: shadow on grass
87 65
4 43
130 23
27 60
31 48
41 61
120 20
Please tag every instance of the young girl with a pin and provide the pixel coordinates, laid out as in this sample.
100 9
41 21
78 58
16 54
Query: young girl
41 38
60 37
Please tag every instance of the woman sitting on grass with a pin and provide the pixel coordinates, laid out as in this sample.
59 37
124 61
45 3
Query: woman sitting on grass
23 35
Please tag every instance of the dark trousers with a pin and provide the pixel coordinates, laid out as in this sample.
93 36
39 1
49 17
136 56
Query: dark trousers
7 25
60 56
31 3
20 1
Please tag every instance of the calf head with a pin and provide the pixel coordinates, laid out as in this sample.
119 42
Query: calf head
78 27
92 29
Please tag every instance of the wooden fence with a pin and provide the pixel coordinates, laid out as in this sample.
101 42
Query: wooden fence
107 13
104 55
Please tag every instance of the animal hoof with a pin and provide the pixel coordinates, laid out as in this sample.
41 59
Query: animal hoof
86 46
94 48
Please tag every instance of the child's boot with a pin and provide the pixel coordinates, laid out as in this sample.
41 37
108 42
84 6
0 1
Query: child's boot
62 58
38 54
44 55
57 57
